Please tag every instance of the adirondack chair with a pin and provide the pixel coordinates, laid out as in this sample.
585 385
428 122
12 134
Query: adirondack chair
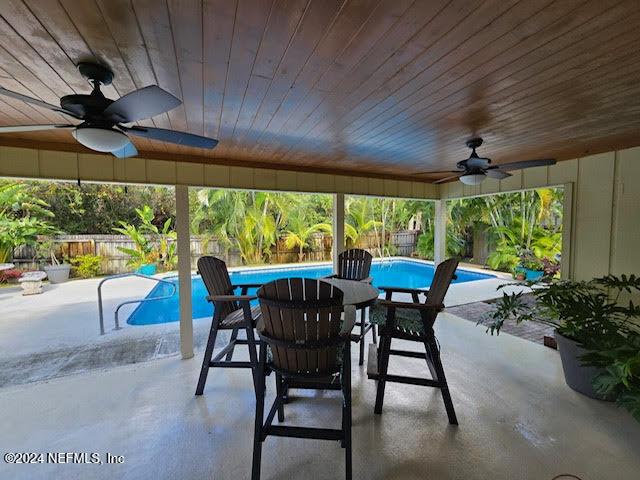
414 322
355 264
303 343
231 312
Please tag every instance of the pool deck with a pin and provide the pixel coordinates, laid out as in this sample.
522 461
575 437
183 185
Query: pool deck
67 314
61 327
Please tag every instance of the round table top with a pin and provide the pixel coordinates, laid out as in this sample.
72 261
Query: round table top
355 292
6 266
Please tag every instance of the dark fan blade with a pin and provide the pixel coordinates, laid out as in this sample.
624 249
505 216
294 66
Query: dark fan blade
496 173
31 128
525 164
448 179
172 136
436 172
477 162
129 150
140 104
37 102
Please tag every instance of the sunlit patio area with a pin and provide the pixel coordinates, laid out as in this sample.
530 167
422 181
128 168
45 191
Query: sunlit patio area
63 329
320 239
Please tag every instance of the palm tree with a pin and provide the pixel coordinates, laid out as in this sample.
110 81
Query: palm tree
359 219
248 221
299 231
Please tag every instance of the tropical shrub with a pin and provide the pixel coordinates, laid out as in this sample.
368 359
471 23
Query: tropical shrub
594 314
47 251
87 266
23 216
522 223
246 221
298 232
359 220
10 275
425 245
153 245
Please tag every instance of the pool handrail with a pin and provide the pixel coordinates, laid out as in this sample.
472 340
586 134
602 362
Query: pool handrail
128 302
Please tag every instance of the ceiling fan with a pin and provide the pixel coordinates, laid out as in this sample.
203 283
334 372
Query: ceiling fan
475 169
102 128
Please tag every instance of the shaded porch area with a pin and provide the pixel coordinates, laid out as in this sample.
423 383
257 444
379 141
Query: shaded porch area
518 419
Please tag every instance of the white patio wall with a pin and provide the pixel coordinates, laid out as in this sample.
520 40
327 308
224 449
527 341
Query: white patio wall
48 164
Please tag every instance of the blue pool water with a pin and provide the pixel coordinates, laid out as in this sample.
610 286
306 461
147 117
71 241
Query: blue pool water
397 273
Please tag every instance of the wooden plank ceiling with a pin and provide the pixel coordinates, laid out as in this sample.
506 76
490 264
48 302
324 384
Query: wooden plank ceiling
370 87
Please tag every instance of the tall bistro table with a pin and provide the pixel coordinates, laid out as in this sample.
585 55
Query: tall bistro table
358 294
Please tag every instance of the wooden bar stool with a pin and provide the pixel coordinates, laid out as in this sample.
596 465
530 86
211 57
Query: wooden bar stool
413 322
231 312
303 343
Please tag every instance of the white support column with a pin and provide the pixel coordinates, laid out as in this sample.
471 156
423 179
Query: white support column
440 232
338 228
566 263
184 270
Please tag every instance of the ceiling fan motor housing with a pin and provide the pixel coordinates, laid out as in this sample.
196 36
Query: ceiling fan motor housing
90 107
474 143
94 72
86 106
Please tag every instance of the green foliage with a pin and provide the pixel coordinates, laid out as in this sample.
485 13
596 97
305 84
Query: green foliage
87 266
23 216
153 245
594 315
298 231
425 245
504 257
522 224
382 217
359 219
97 208
47 251
252 222
247 221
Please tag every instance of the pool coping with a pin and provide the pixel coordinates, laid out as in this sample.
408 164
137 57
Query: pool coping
278 266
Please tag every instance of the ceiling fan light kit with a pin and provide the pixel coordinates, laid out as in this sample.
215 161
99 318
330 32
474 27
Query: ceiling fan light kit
473 178
475 169
102 119
101 139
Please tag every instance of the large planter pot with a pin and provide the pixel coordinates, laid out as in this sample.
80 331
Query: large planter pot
578 377
149 269
533 274
58 273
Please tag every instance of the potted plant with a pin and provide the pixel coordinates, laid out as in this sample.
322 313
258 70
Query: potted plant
56 272
532 267
597 329
519 274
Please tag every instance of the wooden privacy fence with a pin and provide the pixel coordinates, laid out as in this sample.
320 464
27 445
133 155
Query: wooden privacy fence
114 261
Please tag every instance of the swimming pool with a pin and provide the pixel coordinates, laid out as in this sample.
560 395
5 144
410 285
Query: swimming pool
396 272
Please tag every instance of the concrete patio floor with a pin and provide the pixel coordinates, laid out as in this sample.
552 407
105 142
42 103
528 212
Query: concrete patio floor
518 420
66 315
